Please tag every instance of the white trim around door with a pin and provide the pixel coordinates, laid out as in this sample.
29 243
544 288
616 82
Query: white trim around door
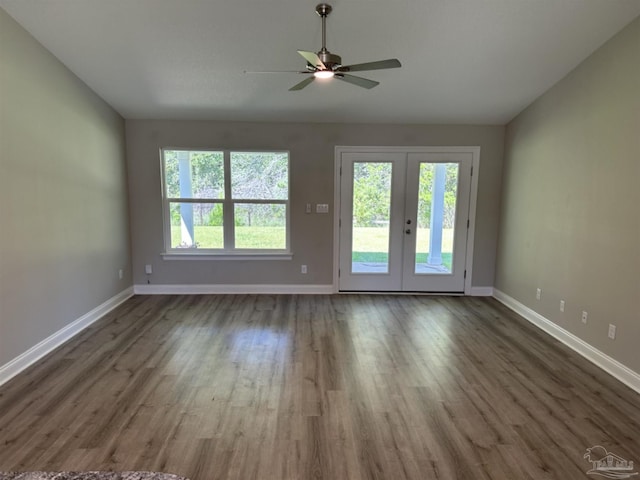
342 152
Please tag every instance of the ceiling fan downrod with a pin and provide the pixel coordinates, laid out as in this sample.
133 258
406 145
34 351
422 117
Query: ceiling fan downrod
324 9
329 59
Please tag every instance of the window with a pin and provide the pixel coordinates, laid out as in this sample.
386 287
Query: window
226 202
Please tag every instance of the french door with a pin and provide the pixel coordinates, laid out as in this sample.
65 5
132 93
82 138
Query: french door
404 220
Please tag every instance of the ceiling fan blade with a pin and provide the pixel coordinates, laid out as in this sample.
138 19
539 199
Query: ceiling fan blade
379 65
312 59
302 84
359 81
275 71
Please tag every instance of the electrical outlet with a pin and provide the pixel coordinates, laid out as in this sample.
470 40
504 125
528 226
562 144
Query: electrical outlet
307 208
584 317
303 269
562 305
120 274
612 331
538 294
148 269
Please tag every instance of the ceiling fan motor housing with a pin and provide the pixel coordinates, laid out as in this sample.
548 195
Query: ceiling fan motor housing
329 59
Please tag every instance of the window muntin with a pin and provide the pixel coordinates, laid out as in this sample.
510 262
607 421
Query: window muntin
224 202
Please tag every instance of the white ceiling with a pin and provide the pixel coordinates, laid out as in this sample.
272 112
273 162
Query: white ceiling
464 61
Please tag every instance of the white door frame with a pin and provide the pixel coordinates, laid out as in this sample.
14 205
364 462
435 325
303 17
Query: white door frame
339 150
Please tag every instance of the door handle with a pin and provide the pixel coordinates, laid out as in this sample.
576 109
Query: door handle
408 231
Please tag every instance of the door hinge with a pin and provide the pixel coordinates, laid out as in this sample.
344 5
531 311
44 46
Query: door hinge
338 273
471 171
467 223
340 170
339 223
465 274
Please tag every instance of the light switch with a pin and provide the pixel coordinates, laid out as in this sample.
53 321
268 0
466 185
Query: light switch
322 208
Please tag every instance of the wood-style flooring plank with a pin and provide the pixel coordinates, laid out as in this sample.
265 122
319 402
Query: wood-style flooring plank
340 387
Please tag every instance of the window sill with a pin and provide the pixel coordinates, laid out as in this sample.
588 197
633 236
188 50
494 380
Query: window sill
227 256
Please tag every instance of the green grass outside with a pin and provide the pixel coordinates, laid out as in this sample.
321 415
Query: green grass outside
246 237
383 257
369 243
375 239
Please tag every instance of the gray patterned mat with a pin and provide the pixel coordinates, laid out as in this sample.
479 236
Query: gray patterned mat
88 476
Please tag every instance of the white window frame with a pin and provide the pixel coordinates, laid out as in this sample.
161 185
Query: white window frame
229 251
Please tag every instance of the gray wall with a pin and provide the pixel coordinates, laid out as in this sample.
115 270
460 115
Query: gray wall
63 198
312 159
570 220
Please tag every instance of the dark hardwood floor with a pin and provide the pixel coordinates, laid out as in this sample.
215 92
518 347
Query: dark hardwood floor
276 387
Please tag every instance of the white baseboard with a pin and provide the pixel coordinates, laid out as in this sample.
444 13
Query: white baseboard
595 356
231 289
35 353
481 291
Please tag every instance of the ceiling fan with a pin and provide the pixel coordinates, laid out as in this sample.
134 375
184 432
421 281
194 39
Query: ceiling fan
325 64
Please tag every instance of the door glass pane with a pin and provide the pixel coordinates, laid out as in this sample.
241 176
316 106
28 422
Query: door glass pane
437 194
371 215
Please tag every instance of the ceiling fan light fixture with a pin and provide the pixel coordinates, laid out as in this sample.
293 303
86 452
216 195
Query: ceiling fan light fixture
323 74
